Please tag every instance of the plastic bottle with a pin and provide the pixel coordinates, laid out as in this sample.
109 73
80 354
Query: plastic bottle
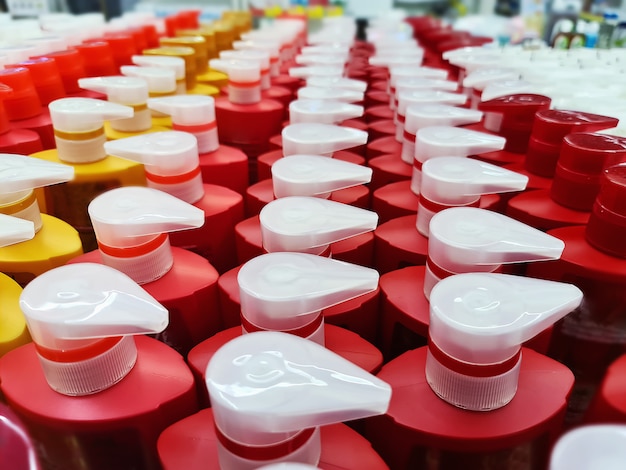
132 226
592 337
55 242
22 141
13 332
288 292
88 391
79 135
172 165
219 164
299 391
17 448
597 446
473 397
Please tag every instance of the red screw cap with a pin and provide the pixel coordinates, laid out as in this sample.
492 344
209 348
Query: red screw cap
71 67
98 59
46 77
24 103
5 92
123 48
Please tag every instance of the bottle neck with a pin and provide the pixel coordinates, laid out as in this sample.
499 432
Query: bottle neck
206 135
187 186
80 147
427 208
244 92
143 263
435 273
141 120
23 205
301 325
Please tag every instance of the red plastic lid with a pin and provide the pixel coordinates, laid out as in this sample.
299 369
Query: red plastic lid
24 102
46 76
590 153
574 190
541 156
123 47
71 67
98 59
140 36
606 229
517 111
172 24
551 125
151 34
5 91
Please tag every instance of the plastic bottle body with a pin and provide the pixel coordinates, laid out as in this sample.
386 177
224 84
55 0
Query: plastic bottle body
13 331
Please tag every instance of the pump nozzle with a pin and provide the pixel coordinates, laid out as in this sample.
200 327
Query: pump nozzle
81 317
477 325
270 391
161 81
177 64
337 82
244 79
260 57
320 139
171 160
313 175
298 223
316 71
325 93
15 230
322 111
288 291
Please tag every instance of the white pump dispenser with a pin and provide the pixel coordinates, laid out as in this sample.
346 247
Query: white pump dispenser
20 175
310 224
15 230
322 111
244 79
79 127
316 71
131 225
128 91
260 57
271 391
590 447
82 317
478 322
346 95
469 239
314 175
176 64
161 81
287 291
337 82
320 139
457 181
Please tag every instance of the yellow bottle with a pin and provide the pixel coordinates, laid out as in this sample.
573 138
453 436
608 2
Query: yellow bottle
13 330
55 241
79 134
128 91
205 50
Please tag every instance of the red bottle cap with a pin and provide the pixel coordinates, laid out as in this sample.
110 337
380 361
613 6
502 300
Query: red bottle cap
123 47
172 24
5 91
541 157
46 77
151 34
24 102
513 112
551 125
71 67
579 169
606 229
98 59
140 36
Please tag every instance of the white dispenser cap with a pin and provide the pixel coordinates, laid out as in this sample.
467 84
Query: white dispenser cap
327 49
471 62
128 91
287 291
19 175
337 82
191 113
397 72
171 160
261 57
403 57
131 225
177 64
244 79
590 447
288 466
428 96
447 141
499 88
419 116
421 83
81 316
79 127
160 80
478 322
316 71
320 139
320 59
268 389
322 111
313 175
458 181
327 93
310 224
481 77
15 230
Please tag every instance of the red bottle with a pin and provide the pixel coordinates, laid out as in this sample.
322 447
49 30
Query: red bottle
21 141
89 393
16 448
24 108
592 337
473 397
298 388
608 405
294 304
172 165
219 164
131 226
576 182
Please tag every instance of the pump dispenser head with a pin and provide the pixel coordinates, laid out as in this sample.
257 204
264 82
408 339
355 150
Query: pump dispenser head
194 114
478 322
131 225
270 391
589 447
19 175
288 291
15 230
79 127
177 64
322 111
81 317
457 181
469 239
244 79
171 161
320 139
332 94
337 82
317 71
309 224
161 81
262 58
314 175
